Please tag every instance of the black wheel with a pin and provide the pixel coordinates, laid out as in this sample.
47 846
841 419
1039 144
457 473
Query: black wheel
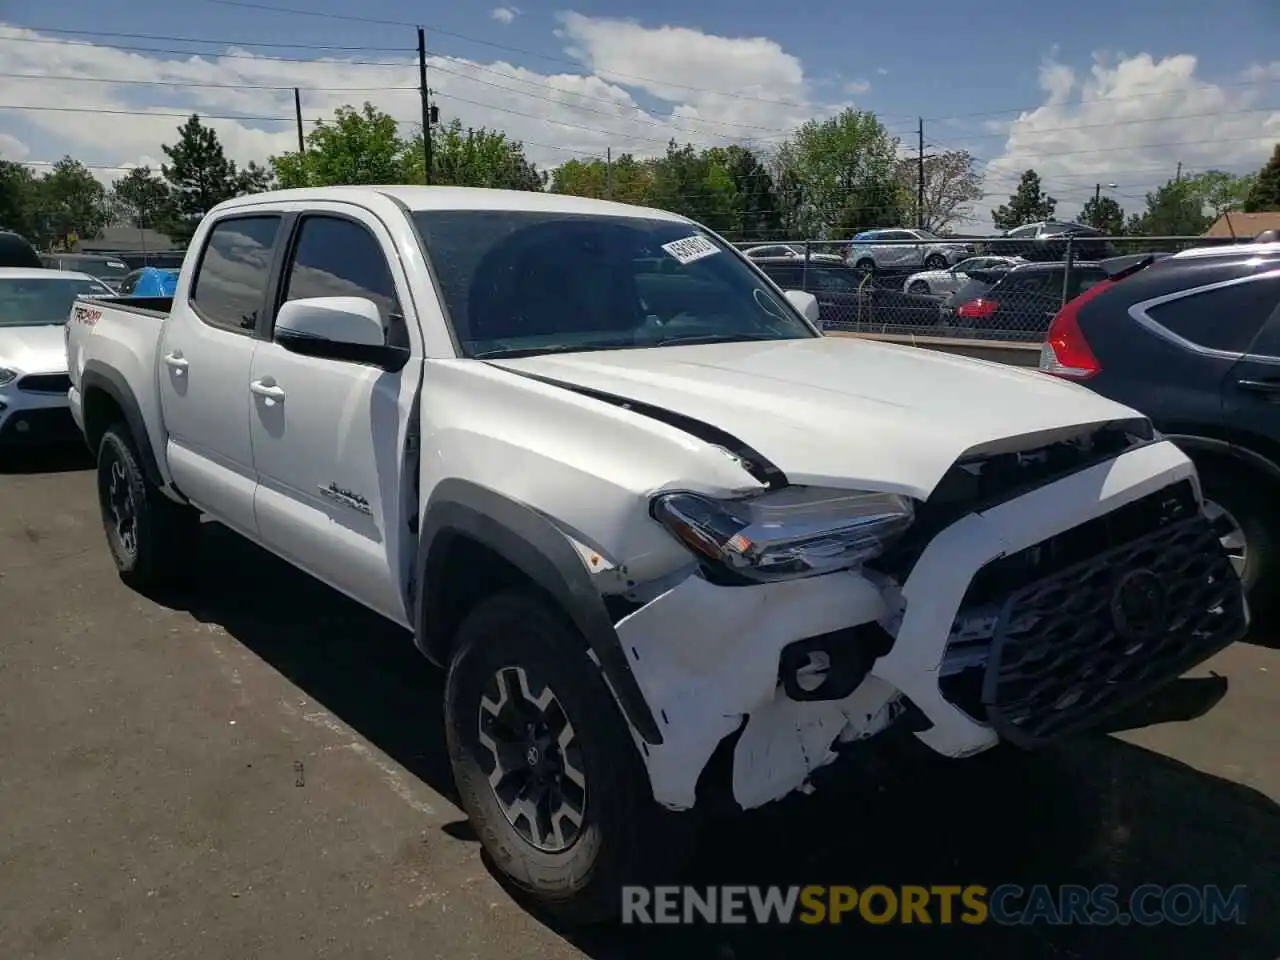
1240 504
146 531
867 264
918 287
546 767
936 262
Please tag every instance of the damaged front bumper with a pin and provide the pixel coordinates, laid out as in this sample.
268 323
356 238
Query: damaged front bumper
707 657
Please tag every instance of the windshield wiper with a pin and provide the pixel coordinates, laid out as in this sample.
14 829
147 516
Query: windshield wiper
717 338
513 352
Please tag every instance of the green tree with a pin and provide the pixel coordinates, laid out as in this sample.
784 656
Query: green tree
840 175
71 202
1028 204
951 184
19 201
1220 191
199 174
687 181
142 199
1264 193
632 180
1173 210
358 147
1103 214
753 208
253 178
474 157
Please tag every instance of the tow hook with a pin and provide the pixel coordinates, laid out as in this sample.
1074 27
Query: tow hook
831 666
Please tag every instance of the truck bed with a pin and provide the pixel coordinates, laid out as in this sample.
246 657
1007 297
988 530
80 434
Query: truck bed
148 306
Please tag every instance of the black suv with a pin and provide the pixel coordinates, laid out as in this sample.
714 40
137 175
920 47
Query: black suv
1016 303
1193 341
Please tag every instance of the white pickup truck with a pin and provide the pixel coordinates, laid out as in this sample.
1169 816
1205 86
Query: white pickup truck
644 512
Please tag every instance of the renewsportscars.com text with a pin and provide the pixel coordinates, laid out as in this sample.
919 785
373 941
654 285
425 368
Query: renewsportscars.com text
1005 905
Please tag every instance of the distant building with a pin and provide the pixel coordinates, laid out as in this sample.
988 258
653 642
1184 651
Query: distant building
1243 225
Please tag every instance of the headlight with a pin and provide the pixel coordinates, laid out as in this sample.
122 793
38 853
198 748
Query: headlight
792 533
7 376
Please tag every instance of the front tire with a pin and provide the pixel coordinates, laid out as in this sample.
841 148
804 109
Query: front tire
936 262
546 767
147 532
866 264
919 288
1239 504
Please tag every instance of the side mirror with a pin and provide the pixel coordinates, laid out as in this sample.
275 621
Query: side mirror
337 328
807 304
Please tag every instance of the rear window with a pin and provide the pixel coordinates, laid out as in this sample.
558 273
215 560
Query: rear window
1227 318
231 282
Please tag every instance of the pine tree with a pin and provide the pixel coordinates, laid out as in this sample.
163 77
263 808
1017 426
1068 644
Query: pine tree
200 174
1028 204
1265 194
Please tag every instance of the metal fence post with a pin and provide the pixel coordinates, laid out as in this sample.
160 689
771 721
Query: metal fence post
804 271
1066 273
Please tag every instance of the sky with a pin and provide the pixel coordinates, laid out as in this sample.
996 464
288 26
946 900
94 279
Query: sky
1085 92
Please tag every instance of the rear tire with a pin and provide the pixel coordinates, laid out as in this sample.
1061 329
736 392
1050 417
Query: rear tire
147 532
866 264
591 837
919 288
1241 503
936 262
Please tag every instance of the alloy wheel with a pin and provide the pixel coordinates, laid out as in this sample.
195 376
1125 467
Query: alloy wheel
121 507
532 758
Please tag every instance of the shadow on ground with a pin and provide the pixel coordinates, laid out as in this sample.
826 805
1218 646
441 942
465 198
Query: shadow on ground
63 458
1097 812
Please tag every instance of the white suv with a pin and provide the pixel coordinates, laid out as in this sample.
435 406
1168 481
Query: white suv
905 249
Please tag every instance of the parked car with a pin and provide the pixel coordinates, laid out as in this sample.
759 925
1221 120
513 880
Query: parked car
850 298
34 306
785 253
149 282
16 251
110 270
905 250
1193 340
1047 240
645 516
943 282
1019 301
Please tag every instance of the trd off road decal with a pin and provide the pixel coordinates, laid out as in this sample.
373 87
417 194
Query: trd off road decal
86 316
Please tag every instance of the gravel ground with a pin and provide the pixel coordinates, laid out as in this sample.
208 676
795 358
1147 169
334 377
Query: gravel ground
257 769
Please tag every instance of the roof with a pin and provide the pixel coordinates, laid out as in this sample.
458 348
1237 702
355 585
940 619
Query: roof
27 273
1035 265
458 198
1233 249
1244 224
125 240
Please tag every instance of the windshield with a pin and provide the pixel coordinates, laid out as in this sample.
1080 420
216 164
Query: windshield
104 268
525 282
36 301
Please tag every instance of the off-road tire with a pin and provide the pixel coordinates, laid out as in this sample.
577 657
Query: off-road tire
625 838
163 530
1250 499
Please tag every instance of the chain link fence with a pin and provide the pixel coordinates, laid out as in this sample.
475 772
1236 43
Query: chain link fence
976 288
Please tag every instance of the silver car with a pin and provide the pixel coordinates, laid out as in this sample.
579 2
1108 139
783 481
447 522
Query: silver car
786 253
940 283
905 250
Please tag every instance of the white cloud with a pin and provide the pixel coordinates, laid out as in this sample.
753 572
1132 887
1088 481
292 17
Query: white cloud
504 15
558 116
857 86
1130 121
11 148
883 71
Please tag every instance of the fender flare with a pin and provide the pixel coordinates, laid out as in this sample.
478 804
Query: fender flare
1194 443
534 545
98 376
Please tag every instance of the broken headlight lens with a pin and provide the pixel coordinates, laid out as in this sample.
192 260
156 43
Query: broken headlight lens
787 534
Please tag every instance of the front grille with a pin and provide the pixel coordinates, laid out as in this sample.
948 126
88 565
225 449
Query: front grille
50 425
1047 641
45 383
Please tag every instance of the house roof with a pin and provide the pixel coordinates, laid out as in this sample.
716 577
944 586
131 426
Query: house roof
1244 225
126 239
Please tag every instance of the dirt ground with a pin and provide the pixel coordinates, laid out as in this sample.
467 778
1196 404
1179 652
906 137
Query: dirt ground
256 769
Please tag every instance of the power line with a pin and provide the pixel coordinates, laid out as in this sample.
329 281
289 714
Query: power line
192 83
205 40
256 57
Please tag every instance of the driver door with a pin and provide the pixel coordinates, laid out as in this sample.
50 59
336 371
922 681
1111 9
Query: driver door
329 435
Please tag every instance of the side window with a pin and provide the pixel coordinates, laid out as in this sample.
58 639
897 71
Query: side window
1027 285
1022 232
335 257
1224 319
235 266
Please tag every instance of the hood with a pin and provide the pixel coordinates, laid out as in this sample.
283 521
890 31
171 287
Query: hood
36 349
838 411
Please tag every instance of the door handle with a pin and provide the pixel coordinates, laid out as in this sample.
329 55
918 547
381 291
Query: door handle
268 390
1271 387
176 362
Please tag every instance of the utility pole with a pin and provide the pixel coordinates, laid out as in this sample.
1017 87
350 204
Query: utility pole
297 111
426 103
1178 178
920 174
608 173
1097 194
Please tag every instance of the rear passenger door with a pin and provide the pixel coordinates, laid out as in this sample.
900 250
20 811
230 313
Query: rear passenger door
1251 388
329 436
206 352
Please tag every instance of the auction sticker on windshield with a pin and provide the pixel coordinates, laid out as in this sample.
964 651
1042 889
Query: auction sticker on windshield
690 249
